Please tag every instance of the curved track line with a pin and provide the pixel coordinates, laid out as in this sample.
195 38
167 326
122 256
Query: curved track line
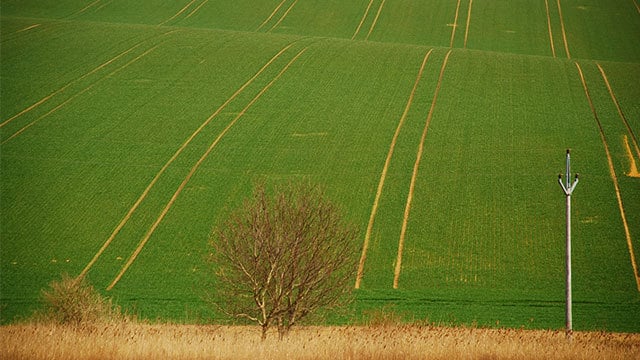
455 25
366 12
44 99
85 8
27 28
77 94
144 194
284 15
614 178
272 15
466 31
634 140
383 176
414 175
553 48
564 34
196 9
178 13
195 167
375 20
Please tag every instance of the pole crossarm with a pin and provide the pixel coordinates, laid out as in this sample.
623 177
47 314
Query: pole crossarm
568 190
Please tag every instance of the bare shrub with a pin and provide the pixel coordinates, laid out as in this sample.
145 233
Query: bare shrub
280 258
71 301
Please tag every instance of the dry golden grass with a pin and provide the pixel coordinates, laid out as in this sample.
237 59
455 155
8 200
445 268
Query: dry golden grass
144 341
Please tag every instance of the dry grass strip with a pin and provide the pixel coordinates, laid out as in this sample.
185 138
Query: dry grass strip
144 194
564 33
139 341
284 16
75 95
455 25
46 98
614 178
195 167
178 13
466 31
366 12
383 175
375 20
553 48
620 113
637 6
414 175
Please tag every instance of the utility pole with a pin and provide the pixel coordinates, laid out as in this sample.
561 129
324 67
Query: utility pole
568 188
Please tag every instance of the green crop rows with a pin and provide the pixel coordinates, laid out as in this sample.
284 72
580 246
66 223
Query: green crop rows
134 128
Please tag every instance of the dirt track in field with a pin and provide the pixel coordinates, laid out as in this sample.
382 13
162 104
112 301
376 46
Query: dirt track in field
614 178
73 97
144 194
564 33
178 13
364 17
284 16
466 30
383 175
168 206
196 9
375 19
553 48
414 175
634 140
46 98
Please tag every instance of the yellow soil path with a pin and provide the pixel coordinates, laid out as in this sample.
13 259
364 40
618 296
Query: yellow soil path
614 178
144 194
375 20
196 9
272 15
633 169
414 175
86 8
466 31
553 48
383 175
284 15
620 113
455 25
366 12
637 6
44 99
564 33
27 28
178 13
74 96
195 167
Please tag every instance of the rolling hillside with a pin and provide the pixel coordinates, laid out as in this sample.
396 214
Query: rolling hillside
129 130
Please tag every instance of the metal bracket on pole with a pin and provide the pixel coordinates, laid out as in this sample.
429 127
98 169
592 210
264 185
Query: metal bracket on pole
568 188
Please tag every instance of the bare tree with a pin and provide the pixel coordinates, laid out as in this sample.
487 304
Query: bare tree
279 258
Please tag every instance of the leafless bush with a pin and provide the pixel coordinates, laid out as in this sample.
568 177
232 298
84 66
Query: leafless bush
71 301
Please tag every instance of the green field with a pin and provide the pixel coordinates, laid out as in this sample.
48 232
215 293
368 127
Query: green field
128 131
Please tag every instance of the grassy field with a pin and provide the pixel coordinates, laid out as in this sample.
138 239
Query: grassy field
128 131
